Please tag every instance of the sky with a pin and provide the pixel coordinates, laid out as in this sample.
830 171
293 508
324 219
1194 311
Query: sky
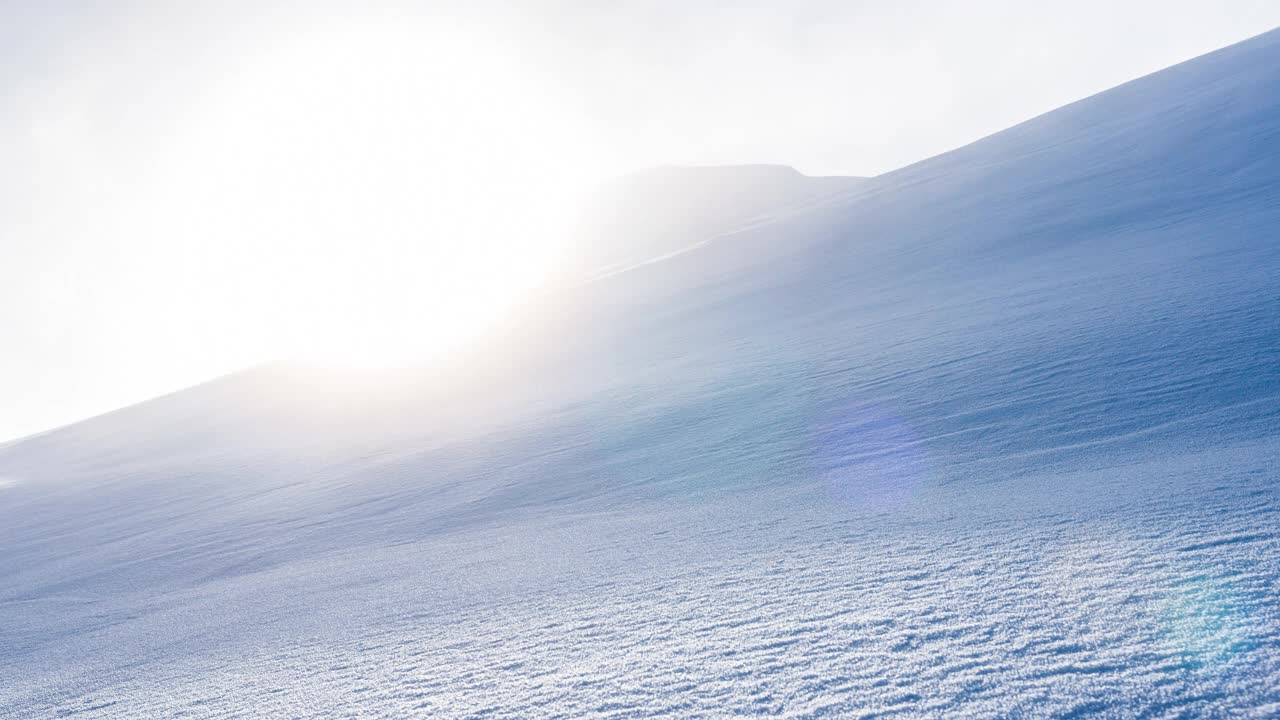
192 188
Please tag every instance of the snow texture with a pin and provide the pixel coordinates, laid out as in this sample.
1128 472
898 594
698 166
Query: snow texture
994 435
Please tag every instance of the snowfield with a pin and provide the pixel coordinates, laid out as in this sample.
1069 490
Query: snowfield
993 435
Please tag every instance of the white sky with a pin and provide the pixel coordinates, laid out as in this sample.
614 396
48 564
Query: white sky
164 176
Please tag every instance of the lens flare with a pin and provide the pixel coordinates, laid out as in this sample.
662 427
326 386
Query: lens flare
1206 622
1200 620
870 458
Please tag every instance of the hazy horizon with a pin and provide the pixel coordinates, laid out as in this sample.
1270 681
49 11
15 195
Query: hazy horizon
161 183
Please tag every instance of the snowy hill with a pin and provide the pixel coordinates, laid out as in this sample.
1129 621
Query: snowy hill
991 435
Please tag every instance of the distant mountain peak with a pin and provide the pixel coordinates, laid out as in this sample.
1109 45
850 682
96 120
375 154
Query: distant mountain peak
658 210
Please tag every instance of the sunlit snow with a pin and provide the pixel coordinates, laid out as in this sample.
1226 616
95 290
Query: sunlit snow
993 435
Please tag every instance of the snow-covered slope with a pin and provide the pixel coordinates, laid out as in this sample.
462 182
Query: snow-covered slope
997 434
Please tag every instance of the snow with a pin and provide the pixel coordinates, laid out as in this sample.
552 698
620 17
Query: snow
993 435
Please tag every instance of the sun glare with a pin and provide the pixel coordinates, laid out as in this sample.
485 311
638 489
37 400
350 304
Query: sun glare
374 196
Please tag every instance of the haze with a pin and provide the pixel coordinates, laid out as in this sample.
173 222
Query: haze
191 191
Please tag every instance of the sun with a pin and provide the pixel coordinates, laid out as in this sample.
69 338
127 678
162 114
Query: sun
377 195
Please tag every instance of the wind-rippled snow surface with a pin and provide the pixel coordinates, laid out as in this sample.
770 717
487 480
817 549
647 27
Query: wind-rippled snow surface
995 435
